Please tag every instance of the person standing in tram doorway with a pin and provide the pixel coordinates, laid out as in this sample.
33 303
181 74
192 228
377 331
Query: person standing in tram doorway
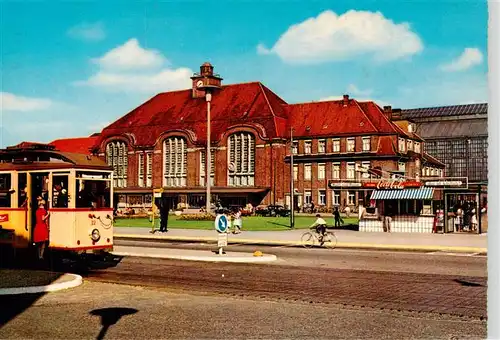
41 234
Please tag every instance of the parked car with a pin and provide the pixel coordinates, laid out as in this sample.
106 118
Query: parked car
272 210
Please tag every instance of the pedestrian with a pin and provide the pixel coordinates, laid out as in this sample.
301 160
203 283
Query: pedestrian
347 211
41 233
388 219
163 205
474 220
458 219
336 217
237 222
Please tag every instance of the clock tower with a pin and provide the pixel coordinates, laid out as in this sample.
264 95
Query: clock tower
205 80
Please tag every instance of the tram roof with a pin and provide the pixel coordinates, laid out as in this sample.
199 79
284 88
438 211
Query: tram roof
38 159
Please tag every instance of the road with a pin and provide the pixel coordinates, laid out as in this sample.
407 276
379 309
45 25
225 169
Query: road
317 293
393 261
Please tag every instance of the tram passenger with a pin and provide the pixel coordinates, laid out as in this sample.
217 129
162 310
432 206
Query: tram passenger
41 234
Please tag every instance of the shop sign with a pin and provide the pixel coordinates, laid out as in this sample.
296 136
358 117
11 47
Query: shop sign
447 183
332 184
394 184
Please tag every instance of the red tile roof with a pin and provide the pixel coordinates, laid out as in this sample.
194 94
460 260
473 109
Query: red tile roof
248 103
80 145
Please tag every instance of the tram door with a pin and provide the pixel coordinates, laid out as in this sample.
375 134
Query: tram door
39 189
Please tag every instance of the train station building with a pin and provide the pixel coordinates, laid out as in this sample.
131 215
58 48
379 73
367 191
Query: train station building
162 143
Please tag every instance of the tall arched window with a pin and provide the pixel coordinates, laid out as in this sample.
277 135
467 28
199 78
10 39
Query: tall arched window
117 157
175 162
241 168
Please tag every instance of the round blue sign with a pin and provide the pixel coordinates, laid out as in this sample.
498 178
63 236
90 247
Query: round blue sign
221 223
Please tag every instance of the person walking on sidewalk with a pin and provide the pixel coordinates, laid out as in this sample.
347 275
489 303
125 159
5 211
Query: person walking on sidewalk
388 214
336 217
237 222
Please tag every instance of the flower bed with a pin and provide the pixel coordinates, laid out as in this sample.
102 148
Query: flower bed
197 217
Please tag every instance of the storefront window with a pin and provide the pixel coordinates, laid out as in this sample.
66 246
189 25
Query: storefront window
307 197
336 197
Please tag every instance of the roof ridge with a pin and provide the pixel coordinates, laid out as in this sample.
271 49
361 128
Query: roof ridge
270 106
364 113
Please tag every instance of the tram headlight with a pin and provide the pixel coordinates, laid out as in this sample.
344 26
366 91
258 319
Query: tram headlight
95 235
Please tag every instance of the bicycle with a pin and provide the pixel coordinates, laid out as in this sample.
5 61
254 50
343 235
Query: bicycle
309 239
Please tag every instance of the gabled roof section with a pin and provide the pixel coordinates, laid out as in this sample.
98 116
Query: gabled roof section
247 103
446 111
432 160
385 146
329 118
80 145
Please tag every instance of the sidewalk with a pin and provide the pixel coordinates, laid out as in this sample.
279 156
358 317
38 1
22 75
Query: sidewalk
13 282
346 239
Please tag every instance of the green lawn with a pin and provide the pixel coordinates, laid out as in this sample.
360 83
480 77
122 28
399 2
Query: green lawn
250 223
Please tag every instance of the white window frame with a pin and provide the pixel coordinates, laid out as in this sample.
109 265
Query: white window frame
402 166
402 145
175 162
349 195
295 172
241 151
322 146
295 147
336 170
409 145
149 169
322 197
321 170
367 143
336 145
417 147
140 170
351 170
203 165
307 171
308 146
336 197
367 165
307 194
351 144
117 158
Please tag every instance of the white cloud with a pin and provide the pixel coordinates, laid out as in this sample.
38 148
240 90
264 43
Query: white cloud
130 68
380 103
130 56
331 37
469 57
356 91
12 102
88 31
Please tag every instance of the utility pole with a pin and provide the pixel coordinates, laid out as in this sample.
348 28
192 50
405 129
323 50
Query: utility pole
292 220
208 166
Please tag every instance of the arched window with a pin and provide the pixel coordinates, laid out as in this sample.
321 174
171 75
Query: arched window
117 157
241 167
175 162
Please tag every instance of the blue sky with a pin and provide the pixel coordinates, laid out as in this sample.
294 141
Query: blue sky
69 68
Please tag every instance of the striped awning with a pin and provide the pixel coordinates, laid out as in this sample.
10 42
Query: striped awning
403 194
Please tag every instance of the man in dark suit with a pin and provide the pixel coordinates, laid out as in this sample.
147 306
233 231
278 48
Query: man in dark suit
163 205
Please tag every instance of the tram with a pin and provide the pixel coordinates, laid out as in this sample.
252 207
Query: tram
78 192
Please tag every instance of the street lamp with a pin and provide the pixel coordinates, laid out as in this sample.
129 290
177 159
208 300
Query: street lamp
208 160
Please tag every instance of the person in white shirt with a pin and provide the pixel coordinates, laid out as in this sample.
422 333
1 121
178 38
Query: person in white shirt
237 222
319 226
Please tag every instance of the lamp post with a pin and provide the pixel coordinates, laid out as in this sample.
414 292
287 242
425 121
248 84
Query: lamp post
292 189
208 160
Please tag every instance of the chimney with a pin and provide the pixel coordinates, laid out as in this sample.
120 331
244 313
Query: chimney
388 112
346 100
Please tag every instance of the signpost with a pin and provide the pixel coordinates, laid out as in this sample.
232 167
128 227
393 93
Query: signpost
221 224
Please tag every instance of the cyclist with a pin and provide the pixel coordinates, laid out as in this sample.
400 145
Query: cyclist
319 226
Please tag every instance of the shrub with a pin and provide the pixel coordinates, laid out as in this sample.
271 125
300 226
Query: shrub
197 217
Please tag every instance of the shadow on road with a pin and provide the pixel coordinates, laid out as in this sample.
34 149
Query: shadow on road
110 316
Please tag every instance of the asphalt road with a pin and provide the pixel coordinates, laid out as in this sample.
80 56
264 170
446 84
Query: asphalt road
109 311
441 263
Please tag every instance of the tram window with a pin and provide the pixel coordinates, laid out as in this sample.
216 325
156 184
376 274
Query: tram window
60 191
22 189
5 190
93 194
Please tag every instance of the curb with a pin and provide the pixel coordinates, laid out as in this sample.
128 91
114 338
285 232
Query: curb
75 282
219 258
419 248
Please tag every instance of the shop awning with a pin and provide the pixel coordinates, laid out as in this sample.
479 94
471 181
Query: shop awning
403 194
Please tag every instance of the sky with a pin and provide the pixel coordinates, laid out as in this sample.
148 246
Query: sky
68 69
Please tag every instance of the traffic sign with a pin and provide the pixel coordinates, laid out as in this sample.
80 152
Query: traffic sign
221 223
222 240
